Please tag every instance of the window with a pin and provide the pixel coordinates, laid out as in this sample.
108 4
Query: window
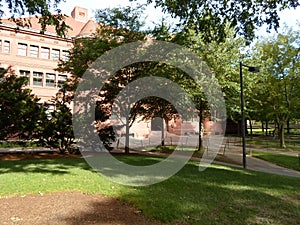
49 110
37 79
55 54
25 73
65 55
50 79
61 80
22 49
6 48
45 53
34 51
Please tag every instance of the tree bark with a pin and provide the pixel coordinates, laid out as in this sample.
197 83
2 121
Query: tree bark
281 135
127 135
200 126
251 128
200 131
162 133
267 127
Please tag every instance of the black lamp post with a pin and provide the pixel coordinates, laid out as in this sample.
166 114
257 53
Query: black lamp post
254 70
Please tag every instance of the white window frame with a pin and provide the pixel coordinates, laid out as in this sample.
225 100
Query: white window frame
45 53
6 46
22 49
34 51
65 55
55 54
61 79
37 77
50 80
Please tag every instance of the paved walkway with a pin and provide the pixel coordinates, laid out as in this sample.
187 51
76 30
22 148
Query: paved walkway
234 153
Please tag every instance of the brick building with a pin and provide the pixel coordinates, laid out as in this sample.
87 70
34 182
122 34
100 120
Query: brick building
34 54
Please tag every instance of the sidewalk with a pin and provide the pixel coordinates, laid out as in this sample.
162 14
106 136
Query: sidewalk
255 164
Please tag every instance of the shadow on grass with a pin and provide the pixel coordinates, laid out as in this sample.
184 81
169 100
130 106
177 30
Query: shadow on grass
219 195
52 166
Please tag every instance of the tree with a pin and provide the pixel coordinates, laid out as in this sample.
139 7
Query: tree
151 107
223 58
57 127
19 9
279 58
211 17
117 26
20 112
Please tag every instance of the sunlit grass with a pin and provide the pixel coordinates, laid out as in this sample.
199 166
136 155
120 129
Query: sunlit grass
270 143
287 161
219 195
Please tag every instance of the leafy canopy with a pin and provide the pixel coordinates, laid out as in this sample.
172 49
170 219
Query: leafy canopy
244 16
19 9
20 112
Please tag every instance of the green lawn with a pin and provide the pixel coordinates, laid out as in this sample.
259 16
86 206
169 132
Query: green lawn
287 161
219 195
262 142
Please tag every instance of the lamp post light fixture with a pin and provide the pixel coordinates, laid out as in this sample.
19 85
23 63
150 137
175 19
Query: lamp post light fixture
254 70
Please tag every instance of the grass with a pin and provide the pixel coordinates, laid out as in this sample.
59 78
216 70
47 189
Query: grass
291 162
262 142
20 144
219 195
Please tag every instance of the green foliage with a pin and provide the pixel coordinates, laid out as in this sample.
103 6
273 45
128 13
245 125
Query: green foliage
279 86
222 58
20 113
21 8
117 26
21 143
123 18
58 130
211 17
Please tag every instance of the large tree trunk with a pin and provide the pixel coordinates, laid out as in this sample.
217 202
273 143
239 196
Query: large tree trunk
127 135
281 134
200 127
200 131
251 128
288 127
262 127
162 133
267 127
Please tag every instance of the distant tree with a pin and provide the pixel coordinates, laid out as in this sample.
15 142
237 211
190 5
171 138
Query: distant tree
19 9
20 112
222 58
279 87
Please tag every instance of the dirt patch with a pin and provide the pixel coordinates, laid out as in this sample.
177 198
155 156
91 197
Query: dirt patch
68 208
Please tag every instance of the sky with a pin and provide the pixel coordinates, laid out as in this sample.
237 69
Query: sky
290 17
92 5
